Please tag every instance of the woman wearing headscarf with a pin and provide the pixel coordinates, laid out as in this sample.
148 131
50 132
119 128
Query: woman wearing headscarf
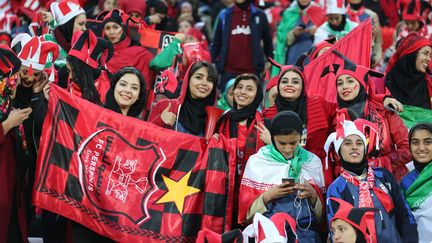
127 93
126 51
87 78
295 33
363 186
187 113
68 18
284 177
240 123
388 144
408 76
13 224
225 102
317 115
416 186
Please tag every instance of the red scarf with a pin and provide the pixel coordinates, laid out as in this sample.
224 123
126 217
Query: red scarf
365 197
355 15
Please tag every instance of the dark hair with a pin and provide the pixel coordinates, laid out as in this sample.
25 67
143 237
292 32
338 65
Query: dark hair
85 77
158 5
419 126
137 107
288 131
291 70
246 76
212 72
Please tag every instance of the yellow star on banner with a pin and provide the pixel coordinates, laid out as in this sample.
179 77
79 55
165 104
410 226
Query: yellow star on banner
177 191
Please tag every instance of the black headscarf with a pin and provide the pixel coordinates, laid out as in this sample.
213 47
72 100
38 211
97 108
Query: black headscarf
407 84
248 112
193 115
341 26
136 108
299 105
63 34
356 168
284 123
355 107
419 126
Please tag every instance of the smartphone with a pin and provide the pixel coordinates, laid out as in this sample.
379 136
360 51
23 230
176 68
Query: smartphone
291 180
302 26
391 108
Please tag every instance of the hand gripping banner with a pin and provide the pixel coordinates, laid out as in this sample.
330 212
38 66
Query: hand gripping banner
128 179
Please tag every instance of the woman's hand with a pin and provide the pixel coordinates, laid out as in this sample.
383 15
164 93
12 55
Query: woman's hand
39 85
306 191
264 133
394 103
278 192
46 90
15 118
168 117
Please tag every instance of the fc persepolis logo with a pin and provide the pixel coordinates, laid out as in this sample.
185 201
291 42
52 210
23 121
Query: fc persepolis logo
115 174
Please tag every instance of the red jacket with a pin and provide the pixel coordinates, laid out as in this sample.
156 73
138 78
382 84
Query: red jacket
320 123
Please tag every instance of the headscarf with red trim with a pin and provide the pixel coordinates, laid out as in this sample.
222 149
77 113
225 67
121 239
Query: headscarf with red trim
9 66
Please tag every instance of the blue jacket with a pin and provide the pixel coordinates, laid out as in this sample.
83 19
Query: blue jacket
260 30
397 226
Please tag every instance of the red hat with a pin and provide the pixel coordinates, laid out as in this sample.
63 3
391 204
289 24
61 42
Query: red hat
133 6
363 219
206 235
87 47
279 228
272 83
313 52
167 84
34 51
7 21
359 72
117 16
65 11
407 45
9 62
5 37
411 11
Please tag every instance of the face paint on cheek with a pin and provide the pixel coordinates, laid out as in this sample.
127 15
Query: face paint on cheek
355 87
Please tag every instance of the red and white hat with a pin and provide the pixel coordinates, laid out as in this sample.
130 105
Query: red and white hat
65 10
34 52
206 235
336 7
267 230
7 21
344 128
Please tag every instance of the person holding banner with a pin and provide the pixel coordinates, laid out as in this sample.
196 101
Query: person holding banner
388 140
416 186
187 113
284 177
240 123
408 73
127 92
363 186
87 78
126 51
13 225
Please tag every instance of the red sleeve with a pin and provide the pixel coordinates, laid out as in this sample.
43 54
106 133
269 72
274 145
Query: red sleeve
155 113
399 134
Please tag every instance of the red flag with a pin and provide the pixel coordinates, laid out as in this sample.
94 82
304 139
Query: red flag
356 46
154 40
128 179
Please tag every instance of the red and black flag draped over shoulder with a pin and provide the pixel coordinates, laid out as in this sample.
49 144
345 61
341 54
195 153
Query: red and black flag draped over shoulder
128 179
